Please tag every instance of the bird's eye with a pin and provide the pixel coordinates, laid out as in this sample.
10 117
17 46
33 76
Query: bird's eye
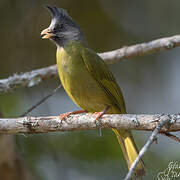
58 27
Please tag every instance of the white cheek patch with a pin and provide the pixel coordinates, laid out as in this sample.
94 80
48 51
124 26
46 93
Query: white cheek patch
52 25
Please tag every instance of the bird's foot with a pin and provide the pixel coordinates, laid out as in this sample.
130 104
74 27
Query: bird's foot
67 114
64 115
101 113
98 116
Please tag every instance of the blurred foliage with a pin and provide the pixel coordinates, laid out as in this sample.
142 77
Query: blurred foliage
150 83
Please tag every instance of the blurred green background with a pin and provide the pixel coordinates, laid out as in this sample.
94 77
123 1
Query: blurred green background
150 84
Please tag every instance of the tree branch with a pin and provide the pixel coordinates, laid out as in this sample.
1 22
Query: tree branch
85 122
34 77
40 102
141 49
165 120
27 79
171 136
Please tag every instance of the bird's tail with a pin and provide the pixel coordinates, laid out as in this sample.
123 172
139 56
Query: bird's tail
129 150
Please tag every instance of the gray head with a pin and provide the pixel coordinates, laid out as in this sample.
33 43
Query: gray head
62 28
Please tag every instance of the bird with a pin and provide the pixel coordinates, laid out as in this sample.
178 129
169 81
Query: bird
87 79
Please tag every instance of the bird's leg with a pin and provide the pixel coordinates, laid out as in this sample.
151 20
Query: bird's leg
101 113
65 115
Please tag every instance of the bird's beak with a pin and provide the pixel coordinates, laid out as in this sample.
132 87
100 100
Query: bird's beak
47 33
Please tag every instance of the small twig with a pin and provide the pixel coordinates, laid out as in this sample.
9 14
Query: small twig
171 136
34 77
40 102
151 139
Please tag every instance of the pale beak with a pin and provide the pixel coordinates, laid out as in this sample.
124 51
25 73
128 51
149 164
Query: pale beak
47 33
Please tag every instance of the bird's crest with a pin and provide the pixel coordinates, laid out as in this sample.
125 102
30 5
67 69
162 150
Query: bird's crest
56 12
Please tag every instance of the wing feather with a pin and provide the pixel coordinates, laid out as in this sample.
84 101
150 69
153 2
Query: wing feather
100 72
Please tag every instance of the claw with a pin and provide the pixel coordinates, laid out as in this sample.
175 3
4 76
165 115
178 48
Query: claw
63 116
98 116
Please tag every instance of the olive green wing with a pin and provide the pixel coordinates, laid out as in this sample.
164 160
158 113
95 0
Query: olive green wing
99 70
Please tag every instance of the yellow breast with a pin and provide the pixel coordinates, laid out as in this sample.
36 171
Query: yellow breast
77 81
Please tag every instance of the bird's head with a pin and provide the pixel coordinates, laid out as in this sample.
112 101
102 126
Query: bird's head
62 28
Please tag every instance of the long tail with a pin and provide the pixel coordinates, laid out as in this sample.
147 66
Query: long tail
129 150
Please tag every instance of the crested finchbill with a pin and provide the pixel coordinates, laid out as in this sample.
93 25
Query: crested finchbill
87 79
